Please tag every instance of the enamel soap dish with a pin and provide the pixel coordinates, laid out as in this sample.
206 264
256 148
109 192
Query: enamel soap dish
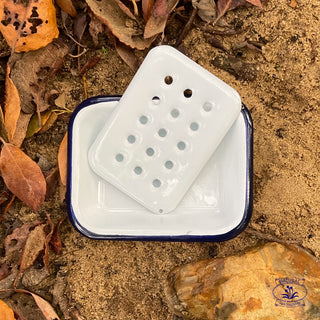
217 206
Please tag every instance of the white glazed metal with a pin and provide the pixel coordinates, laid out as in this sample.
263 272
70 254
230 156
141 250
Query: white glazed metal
214 205
168 123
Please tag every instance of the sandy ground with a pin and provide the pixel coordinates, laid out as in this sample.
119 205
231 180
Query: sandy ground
125 280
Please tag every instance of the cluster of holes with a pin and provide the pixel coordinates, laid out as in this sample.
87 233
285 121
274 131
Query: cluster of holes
181 145
34 20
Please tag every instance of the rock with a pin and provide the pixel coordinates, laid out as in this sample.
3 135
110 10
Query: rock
267 283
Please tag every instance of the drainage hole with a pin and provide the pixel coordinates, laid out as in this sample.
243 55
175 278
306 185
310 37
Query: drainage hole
181 145
150 152
137 170
156 183
131 139
175 113
156 100
207 107
194 126
162 132
119 157
168 80
143 119
160 210
169 164
187 93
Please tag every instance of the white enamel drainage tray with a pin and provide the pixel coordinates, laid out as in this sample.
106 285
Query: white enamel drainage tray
216 207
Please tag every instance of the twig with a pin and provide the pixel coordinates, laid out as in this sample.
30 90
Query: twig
78 55
7 208
222 13
85 86
187 27
135 7
269 237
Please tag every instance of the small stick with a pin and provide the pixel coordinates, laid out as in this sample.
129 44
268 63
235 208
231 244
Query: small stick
187 27
78 55
268 237
7 208
85 86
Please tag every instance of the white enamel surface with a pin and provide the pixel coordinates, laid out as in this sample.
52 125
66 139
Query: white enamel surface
214 204
180 131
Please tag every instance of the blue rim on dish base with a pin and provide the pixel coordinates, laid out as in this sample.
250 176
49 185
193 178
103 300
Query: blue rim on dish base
190 238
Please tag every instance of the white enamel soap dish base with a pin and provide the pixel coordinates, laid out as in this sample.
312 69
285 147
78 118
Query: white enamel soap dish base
217 207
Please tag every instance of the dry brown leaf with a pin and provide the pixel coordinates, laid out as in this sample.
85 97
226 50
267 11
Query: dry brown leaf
67 6
43 305
11 106
49 123
62 159
79 25
125 9
28 26
95 27
34 126
15 242
34 245
52 179
6 312
4 271
256 3
48 118
146 9
157 20
31 84
226 5
47 241
22 176
3 131
127 55
21 130
127 30
55 239
206 9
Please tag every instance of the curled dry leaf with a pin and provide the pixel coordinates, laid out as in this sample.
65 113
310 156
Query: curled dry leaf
6 312
127 30
4 271
22 176
67 6
95 27
52 179
226 5
15 241
146 9
21 129
34 245
31 84
47 241
47 120
11 106
55 239
158 18
62 159
28 25
43 305
206 9
3 131
127 55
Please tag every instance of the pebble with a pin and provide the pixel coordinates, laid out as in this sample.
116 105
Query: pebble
269 282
